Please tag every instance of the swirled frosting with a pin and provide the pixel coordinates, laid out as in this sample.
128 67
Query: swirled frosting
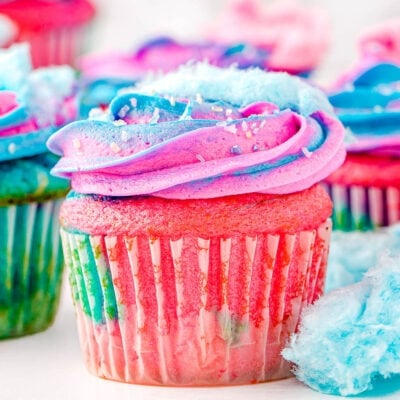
294 36
367 99
33 103
204 132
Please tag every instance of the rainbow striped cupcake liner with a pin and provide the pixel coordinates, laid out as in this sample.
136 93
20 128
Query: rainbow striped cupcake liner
363 208
192 311
31 265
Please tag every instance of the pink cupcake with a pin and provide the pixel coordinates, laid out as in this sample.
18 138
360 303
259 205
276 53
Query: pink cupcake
294 37
195 233
53 28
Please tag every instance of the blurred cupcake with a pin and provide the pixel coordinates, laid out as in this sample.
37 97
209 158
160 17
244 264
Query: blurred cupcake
366 189
293 37
53 28
196 232
32 105
103 75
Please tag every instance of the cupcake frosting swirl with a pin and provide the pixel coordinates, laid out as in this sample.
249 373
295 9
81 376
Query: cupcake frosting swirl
368 104
33 103
204 132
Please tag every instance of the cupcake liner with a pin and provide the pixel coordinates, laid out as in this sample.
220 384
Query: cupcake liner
363 208
30 267
192 311
55 47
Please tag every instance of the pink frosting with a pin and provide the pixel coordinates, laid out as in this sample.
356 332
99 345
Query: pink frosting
382 42
297 37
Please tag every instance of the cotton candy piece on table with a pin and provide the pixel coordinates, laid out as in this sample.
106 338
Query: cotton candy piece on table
350 337
365 249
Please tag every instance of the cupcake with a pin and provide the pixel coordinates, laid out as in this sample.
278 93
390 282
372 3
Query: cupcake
103 75
32 105
53 28
294 37
196 231
366 189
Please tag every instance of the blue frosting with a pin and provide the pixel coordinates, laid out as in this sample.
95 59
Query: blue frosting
40 97
350 337
367 104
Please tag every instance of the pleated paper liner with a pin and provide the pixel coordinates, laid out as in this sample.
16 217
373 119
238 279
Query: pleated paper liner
31 266
363 208
55 47
192 311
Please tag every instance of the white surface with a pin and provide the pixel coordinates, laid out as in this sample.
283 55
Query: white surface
48 366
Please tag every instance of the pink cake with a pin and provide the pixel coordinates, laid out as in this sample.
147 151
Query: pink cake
196 233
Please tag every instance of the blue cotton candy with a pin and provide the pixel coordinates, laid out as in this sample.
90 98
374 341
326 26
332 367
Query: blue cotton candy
351 336
352 254
233 86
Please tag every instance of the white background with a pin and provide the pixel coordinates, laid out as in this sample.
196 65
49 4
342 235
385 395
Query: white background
49 365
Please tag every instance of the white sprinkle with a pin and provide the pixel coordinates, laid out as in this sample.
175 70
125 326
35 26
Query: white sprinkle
200 158
199 99
221 123
255 131
124 136
114 147
263 122
306 152
244 126
217 108
122 113
253 125
228 111
231 129
172 101
119 122
133 101
95 112
76 143
155 117
12 148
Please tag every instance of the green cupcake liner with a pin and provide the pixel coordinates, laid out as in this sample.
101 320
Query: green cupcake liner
31 266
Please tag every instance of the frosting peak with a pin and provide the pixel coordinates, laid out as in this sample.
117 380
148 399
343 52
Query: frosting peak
204 132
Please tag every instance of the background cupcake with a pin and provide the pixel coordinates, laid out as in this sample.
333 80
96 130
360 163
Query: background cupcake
366 189
195 233
103 75
293 37
53 28
32 105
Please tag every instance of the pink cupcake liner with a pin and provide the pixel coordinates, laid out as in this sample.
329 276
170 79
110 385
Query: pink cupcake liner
55 47
192 311
362 207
